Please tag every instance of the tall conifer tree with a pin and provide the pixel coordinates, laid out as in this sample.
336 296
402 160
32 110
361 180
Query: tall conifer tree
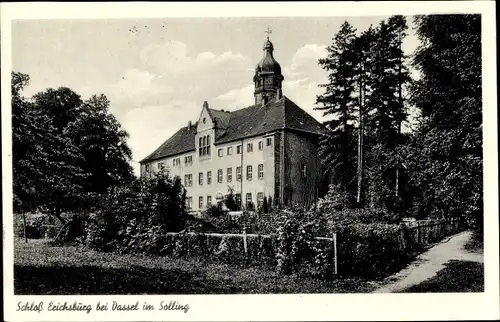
337 148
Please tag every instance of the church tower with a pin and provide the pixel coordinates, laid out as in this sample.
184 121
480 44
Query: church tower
268 77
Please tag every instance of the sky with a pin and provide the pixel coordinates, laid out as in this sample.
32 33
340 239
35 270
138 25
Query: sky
158 72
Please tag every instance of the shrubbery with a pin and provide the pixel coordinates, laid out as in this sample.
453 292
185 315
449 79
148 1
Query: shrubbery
136 217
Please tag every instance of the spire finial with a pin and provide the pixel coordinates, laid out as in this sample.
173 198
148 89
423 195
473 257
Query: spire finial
268 31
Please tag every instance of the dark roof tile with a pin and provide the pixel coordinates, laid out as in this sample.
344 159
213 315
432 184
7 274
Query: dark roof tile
247 122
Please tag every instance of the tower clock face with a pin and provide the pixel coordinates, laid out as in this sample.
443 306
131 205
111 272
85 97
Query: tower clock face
268 81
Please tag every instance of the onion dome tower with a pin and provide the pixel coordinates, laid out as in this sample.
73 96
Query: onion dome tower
268 77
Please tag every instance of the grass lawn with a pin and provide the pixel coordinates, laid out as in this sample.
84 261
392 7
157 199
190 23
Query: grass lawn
49 270
457 276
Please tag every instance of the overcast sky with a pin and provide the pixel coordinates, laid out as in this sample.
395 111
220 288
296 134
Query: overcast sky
158 74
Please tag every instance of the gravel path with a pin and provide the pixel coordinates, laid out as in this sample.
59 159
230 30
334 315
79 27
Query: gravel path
428 264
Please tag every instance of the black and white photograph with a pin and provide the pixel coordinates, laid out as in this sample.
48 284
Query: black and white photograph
247 154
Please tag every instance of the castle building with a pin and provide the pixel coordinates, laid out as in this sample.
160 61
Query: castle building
266 149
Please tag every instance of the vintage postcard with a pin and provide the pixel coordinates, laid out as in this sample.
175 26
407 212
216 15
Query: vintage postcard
249 161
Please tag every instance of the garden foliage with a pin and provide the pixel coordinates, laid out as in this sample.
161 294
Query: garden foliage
135 217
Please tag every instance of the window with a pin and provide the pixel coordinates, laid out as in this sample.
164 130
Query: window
261 145
229 150
176 162
238 173
269 141
304 170
260 199
188 180
249 198
237 198
200 178
249 172
219 176
261 171
204 145
219 153
209 177
249 147
147 167
238 149
188 160
161 166
189 202
200 202
209 200
229 174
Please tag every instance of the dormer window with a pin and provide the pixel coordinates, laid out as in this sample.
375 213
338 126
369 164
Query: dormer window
204 120
204 145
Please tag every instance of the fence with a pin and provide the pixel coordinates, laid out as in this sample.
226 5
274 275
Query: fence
237 249
378 254
345 254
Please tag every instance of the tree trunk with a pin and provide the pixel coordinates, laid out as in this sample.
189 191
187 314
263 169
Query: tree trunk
400 85
360 139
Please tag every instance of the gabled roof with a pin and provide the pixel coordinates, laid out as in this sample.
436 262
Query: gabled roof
182 141
247 122
221 118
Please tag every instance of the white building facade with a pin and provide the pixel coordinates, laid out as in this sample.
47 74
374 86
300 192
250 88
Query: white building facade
265 150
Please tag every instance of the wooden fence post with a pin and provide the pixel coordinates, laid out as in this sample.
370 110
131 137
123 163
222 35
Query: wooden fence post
24 228
335 255
245 240
417 228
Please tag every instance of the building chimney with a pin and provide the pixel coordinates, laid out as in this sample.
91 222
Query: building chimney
205 104
189 125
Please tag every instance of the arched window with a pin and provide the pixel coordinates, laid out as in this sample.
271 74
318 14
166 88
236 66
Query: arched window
208 139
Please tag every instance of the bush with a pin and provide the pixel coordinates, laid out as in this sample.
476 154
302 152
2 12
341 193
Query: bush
370 250
136 216
214 210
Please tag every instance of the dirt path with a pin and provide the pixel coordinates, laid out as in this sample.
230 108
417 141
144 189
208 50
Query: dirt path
429 263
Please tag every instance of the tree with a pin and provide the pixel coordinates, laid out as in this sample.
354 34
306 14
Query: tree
230 201
448 94
265 206
24 156
386 109
60 176
43 159
363 71
103 145
338 101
